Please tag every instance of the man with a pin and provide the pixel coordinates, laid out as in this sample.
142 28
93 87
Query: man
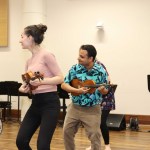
81 82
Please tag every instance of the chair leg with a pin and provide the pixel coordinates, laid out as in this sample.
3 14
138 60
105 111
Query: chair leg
1 126
4 116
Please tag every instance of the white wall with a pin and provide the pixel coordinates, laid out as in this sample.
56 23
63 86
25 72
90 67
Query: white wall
123 45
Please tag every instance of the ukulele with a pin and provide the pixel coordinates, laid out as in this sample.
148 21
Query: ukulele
76 83
27 77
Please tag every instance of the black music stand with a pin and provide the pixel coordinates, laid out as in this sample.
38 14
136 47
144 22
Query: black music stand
64 95
10 88
148 82
14 91
5 90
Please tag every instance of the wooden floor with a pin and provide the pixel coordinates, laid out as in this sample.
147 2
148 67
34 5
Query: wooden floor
119 140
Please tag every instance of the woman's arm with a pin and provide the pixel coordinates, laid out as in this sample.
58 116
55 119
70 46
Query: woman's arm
52 81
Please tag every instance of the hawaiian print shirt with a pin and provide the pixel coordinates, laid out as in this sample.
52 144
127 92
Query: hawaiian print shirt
98 74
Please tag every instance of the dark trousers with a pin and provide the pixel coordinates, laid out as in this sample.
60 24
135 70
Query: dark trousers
43 114
103 126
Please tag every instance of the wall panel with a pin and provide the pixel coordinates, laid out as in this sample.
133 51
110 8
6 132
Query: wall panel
3 22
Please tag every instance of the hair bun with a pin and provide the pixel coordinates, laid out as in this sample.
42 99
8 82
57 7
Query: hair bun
42 28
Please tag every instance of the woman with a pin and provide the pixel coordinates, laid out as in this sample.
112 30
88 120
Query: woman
44 110
108 104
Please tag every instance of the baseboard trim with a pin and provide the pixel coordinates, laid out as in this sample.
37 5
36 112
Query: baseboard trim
143 119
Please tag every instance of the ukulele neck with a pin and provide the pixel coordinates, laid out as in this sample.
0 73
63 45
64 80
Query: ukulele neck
96 85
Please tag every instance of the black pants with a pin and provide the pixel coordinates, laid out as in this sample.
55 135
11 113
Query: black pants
43 113
103 126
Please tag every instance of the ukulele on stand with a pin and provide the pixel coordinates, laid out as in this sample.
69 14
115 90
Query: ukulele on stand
27 77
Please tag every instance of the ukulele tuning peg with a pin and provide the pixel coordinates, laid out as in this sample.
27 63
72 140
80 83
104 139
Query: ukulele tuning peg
37 73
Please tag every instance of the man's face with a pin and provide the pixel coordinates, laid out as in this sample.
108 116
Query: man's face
83 58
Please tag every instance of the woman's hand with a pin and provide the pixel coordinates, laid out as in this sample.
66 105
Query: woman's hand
24 88
35 82
103 90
